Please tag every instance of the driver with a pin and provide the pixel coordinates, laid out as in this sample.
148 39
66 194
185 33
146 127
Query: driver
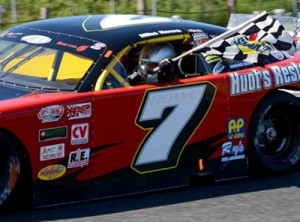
154 55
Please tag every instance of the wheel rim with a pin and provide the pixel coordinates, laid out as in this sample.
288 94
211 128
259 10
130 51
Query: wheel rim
274 135
9 172
3 165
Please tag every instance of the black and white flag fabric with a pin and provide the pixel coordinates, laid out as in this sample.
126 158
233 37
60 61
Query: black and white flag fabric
253 42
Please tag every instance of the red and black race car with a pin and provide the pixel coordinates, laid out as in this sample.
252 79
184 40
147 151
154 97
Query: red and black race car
74 126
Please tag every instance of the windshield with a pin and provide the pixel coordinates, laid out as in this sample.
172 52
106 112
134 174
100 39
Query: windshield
39 59
41 67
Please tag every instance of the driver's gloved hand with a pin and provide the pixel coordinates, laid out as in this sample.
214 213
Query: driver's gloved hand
166 70
139 75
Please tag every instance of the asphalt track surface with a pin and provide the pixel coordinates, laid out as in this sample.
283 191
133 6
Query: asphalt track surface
253 199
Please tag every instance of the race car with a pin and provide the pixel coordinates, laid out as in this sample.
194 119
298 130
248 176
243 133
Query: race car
74 126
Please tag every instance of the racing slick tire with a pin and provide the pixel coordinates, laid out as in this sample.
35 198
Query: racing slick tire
9 171
274 135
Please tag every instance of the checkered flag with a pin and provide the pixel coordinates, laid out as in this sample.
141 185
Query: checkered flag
252 41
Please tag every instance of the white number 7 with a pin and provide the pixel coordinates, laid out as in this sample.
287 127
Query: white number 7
173 115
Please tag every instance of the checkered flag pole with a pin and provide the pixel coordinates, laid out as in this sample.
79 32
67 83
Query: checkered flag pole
269 35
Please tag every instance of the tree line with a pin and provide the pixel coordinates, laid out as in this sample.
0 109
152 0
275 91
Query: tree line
13 12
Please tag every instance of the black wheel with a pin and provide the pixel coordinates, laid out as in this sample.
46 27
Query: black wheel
274 145
9 170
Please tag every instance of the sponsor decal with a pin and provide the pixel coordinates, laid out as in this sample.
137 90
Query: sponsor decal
200 37
160 32
240 64
257 80
277 54
98 46
52 172
148 34
232 152
194 30
51 152
36 39
82 48
286 74
79 158
219 67
167 32
53 133
77 48
212 58
13 35
252 47
236 128
108 54
80 133
51 113
79 111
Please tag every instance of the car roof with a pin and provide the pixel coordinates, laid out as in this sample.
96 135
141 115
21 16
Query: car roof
120 29
103 37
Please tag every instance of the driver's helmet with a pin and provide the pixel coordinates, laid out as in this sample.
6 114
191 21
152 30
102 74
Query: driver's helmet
153 53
